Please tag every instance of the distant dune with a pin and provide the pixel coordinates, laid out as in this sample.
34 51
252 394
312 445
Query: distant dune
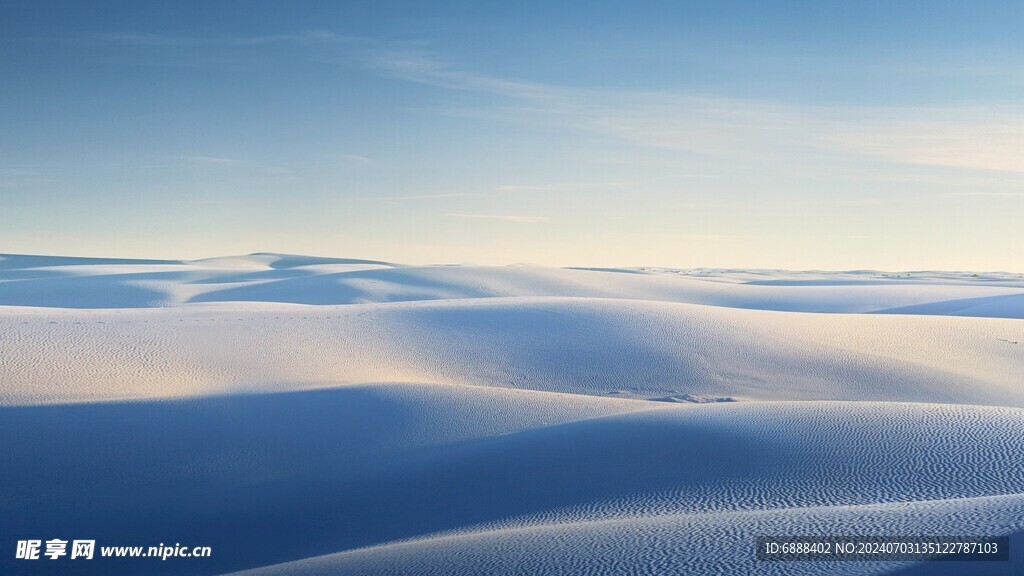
111 283
316 416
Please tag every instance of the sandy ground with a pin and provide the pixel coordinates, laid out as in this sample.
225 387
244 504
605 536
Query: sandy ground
334 416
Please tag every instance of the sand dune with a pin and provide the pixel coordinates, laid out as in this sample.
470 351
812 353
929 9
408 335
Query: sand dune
317 472
337 416
635 349
676 544
109 283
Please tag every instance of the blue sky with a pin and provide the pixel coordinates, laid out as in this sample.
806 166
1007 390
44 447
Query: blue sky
830 135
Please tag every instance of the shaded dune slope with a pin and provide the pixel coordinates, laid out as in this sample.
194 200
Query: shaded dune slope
317 472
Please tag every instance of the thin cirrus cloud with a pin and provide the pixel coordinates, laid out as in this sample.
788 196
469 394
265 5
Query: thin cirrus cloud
993 194
216 160
968 138
356 159
416 197
952 137
501 218
157 40
421 68
559 187
505 190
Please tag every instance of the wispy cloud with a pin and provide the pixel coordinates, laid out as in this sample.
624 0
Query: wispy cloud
522 187
356 159
212 160
308 36
501 217
689 237
769 133
418 67
502 190
980 193
558 187
16 177
414 197
954 137
991 139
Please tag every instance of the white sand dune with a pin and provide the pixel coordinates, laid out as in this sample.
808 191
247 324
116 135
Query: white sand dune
636 349
106 283
336 416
